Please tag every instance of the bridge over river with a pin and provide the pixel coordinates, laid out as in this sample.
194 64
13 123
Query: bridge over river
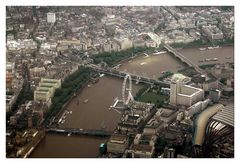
122 74
182 58
80 131
173 51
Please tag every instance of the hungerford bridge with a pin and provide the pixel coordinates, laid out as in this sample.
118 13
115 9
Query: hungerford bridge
138 78
122 74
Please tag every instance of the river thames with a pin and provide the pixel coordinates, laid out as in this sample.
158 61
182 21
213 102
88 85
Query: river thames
95 113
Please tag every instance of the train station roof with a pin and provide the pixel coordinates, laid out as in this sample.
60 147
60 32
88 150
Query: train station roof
226 116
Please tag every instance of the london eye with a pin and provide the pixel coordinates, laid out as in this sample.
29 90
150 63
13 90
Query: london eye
127 89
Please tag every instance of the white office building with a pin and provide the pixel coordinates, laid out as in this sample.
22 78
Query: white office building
181 94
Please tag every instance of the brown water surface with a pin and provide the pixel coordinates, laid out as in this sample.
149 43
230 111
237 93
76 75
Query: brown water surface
95 112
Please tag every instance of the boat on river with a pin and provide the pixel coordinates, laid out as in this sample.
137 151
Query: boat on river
202 49
159 52
101 75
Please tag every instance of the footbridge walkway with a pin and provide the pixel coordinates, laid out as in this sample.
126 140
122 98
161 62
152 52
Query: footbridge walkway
122 74
80 131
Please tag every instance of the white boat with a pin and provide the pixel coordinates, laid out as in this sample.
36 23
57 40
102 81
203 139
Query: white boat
202 49
115 99
160 52
210 48
146 55
115 103
85 101
215 59
60 120
101 75
103 125
59 130
143 63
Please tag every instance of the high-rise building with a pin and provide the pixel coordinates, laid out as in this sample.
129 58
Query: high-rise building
181 94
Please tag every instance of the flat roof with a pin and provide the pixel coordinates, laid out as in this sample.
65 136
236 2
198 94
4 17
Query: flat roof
43 88
41 92
165 112
41 84
143 148
118 137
